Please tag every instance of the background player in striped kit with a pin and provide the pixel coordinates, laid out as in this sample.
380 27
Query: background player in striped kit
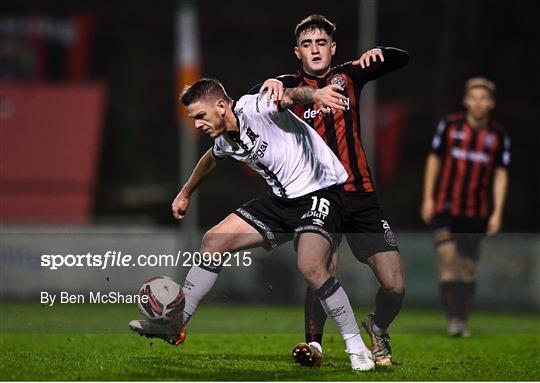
368 231
464 192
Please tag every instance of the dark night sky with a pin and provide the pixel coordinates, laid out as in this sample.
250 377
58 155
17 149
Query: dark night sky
245 42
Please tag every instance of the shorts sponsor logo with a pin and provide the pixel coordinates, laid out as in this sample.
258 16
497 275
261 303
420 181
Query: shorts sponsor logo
389 236
314 214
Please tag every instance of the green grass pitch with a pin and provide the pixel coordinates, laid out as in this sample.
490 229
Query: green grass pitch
83 342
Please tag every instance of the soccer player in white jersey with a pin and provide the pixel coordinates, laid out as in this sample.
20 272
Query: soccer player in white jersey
306 201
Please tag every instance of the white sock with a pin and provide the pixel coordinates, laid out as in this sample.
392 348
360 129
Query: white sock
197 284
355 344
337 306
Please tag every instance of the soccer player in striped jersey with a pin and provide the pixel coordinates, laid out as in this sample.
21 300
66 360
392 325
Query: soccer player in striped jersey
465 186
367 229
306 203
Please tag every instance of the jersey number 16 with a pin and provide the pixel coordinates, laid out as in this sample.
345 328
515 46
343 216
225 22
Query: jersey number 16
324 205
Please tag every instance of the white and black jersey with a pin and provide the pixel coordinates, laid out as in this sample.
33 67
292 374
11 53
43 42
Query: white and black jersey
293 159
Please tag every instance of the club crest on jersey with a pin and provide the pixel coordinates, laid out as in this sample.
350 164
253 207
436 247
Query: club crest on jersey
389 236
251 135
338 80
490 141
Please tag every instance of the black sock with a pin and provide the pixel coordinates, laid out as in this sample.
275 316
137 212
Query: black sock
449 295
315 317
460 300
387 308
468 289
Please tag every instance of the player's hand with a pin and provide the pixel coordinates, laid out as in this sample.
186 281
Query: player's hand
274 89
368 57
428 210
494 224
329 98
180 206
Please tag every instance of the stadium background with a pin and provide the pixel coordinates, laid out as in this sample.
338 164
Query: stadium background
92 150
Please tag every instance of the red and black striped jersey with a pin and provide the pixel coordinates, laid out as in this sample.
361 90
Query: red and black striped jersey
468 159
341 129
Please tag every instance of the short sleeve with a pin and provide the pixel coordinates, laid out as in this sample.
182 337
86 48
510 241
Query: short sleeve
503 154
259 106
437 143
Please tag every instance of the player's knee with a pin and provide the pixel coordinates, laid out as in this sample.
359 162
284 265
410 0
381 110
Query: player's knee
395 288
447 277
311 271
447 251
468 272
396 292
446 266
214 242
448 262
468 278
448 272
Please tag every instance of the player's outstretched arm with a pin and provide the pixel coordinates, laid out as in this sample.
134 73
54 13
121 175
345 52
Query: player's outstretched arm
376 62
203 169
275 86
328 97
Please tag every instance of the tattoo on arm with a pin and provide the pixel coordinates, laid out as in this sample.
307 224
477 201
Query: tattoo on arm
295 96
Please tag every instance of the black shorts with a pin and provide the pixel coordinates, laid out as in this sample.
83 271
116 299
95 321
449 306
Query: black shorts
467 232
279 220
367 230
